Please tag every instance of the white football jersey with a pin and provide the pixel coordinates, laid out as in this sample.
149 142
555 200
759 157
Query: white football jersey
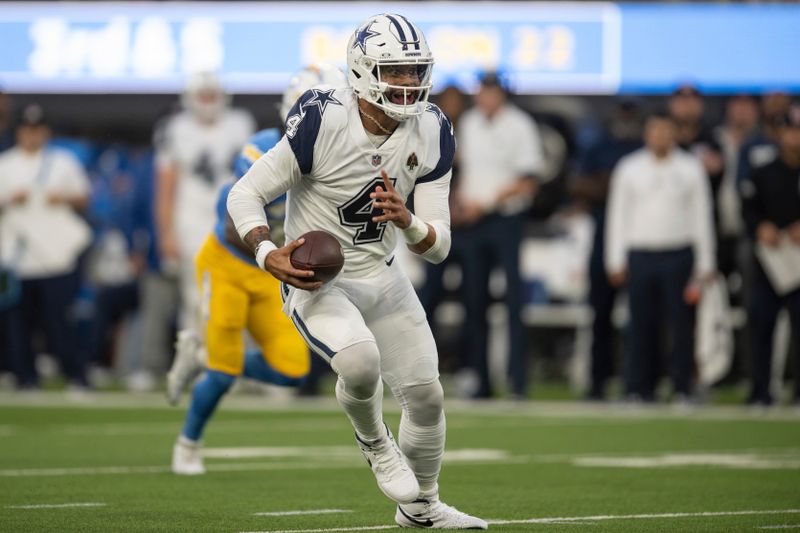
203 155
329 167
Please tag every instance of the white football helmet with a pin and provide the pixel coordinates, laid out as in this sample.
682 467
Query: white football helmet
389 46
308 78
204 96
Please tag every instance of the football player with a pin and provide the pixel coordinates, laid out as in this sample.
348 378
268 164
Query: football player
237 296
194 159
349 159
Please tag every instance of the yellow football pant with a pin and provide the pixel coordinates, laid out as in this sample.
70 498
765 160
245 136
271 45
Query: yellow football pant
236 296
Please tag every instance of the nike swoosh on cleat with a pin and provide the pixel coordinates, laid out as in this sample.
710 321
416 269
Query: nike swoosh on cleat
389 262
427 523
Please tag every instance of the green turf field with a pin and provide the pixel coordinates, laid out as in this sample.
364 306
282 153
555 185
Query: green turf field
529 467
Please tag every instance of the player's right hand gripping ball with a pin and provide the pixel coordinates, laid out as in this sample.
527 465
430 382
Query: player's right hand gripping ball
321 253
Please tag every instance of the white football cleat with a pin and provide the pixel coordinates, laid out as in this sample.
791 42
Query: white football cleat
434 514
391 470
186 458
186 366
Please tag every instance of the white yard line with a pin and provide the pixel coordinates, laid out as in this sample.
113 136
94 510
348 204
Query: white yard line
326 530
83 471
307 452
167 428
304 512
746 461
356 463
328 453
162 469
784 452
345 457
643 516
56 505
557 520
336 457
493 409
784 526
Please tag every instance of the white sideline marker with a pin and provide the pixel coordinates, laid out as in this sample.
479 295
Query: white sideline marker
722 460
351 461
556 520
57 505
305 512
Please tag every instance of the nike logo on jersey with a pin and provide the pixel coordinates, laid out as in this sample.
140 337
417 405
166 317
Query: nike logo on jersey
426 523
389 261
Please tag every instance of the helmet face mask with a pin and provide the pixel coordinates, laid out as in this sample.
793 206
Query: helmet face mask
389 65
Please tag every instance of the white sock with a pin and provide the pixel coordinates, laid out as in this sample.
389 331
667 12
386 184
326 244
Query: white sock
186 441
423 447
366 415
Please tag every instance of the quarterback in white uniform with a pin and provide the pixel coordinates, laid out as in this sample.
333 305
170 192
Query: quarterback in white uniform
195 154
349 160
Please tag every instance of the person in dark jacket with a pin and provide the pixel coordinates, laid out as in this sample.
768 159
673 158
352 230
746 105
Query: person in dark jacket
771 204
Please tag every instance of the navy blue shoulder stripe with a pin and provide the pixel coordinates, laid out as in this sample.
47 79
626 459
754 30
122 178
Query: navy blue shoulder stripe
447 147
303 124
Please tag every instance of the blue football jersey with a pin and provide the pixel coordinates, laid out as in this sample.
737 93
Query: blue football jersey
256 146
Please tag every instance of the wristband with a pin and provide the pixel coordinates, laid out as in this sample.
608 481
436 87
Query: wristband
262 251
416 231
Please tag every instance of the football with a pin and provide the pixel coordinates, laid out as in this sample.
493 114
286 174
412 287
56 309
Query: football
321 253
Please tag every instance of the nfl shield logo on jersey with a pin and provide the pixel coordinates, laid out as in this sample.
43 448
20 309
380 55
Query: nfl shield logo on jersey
376 160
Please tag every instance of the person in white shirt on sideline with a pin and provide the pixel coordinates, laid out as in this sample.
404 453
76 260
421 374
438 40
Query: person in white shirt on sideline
660 242
42 238
500 156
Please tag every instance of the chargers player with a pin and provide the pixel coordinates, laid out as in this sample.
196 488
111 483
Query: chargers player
349 160
235 295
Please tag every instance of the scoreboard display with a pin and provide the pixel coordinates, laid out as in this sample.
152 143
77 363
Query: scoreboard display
587 47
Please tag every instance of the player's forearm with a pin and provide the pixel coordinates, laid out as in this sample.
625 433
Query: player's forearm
163 217
232 237
78 203
256 236
165 200
425 244
259 242
435 245
433 208
246 209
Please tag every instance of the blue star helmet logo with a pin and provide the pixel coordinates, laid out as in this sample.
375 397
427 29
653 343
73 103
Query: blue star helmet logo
362 35
321 99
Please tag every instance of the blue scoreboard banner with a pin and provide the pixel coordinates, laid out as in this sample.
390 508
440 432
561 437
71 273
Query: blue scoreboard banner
563 47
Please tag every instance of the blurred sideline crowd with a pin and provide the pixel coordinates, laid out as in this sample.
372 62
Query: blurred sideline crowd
679 234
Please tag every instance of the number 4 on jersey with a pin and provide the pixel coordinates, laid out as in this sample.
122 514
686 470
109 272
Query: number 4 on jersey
358 213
